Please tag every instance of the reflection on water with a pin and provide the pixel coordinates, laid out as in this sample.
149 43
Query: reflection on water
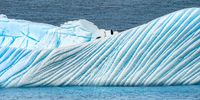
102 93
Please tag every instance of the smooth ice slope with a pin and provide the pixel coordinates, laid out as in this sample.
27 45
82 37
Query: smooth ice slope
165 51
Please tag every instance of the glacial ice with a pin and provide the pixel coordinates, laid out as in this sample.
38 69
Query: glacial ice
164 51
31 35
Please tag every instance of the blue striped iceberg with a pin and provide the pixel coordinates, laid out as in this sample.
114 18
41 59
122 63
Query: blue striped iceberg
165 51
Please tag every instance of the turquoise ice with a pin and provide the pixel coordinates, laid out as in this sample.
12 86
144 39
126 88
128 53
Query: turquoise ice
31 35
165 51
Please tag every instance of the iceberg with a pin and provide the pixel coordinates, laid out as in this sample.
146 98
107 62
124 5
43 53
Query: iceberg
164 51
31 35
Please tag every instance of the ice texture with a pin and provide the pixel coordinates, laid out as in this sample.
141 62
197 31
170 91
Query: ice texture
164 51
32 35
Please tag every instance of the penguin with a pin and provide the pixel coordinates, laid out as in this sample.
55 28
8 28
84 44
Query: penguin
105 33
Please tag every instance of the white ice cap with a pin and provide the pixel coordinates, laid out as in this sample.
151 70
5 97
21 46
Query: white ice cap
102 33
3 16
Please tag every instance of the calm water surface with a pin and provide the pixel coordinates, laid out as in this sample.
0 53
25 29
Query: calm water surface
102 93
108 14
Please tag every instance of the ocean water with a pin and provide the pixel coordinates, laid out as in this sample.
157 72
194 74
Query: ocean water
109 14
102 93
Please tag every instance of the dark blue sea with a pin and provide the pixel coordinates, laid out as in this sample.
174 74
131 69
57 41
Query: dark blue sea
109 14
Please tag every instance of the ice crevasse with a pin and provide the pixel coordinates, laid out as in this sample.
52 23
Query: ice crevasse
164 51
